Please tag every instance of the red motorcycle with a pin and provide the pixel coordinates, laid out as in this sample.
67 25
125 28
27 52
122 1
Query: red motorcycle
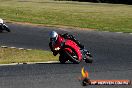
70 51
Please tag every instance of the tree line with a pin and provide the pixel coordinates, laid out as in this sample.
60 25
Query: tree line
104 1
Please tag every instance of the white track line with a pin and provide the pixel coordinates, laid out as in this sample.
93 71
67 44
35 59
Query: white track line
12 47
48 62
4 47
119 32
105 31
28 49
21 48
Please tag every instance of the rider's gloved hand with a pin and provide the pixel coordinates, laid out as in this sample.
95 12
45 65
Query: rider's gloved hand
65 35
55 53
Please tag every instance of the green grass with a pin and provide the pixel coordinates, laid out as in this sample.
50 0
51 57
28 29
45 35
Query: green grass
8 55
103 17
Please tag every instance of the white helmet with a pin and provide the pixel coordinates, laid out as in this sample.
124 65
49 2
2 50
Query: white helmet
53 36
1 21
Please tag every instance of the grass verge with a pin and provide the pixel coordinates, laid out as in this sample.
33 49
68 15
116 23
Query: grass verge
103 17
8 55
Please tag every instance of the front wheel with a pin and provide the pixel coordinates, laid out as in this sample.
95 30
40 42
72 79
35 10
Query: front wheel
62 59
0 30
73 59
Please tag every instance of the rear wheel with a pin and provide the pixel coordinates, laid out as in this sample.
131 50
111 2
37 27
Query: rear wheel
7 29
89 58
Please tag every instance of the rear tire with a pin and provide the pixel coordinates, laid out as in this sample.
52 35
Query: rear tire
7 29
89 59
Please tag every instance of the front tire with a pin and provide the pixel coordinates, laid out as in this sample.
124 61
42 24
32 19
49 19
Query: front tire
0 30
62 59
72 59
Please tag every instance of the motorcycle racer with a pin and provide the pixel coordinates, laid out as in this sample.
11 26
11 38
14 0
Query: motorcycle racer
54 37
3 26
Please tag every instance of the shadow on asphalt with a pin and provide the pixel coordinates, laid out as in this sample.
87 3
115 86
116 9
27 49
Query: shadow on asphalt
53 63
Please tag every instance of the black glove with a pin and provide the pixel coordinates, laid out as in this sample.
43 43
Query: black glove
55 53
65 35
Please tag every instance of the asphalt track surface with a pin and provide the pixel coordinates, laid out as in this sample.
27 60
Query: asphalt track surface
112 59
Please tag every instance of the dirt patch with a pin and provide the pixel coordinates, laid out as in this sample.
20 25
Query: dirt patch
55 26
